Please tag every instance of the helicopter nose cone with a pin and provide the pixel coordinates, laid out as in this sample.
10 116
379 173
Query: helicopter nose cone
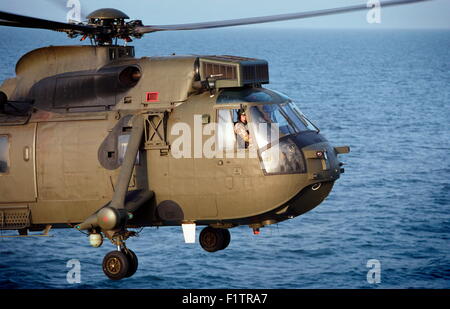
308 198
322 170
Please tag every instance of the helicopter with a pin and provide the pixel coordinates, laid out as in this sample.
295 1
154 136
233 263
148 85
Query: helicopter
100 141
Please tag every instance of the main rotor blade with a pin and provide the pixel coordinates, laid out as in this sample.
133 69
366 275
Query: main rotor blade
267 19
15 24
15 20
9 24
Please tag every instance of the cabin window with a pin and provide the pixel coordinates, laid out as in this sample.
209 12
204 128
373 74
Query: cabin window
4 154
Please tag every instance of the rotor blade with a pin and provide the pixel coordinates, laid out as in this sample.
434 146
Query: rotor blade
15 20
9 24
267 19
15 24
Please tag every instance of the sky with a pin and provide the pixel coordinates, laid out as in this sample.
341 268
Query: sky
431 14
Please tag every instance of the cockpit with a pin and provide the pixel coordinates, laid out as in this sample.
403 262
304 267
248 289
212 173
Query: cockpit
277 128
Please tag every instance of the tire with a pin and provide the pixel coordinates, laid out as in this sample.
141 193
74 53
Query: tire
116 265
226 238
133 262
212 239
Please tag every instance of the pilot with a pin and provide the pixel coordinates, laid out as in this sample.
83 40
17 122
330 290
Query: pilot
241 130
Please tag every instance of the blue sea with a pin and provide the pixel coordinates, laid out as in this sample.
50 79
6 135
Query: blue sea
384 93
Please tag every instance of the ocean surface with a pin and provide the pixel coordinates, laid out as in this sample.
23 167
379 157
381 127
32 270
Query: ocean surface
384 93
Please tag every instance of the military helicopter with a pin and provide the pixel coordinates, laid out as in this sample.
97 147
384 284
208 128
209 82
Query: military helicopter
90 139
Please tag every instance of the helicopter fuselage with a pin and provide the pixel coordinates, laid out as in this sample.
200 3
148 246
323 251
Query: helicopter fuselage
65 130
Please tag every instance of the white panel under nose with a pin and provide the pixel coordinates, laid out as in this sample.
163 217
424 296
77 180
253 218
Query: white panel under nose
189 232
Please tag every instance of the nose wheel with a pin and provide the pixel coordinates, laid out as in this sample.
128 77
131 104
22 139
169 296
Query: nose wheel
213 239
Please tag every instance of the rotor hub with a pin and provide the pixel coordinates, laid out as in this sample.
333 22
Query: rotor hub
111 25
107 13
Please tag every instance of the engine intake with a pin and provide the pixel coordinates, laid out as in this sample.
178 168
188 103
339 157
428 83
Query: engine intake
232 71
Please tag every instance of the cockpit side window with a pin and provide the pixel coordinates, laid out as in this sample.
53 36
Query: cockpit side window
233 130
4 154
225 130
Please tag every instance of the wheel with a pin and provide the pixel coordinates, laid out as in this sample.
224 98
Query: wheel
226 238
133 261
212 239
116 265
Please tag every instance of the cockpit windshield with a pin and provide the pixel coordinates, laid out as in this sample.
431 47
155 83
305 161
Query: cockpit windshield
274 124
300 119
272 113
278 108
288 119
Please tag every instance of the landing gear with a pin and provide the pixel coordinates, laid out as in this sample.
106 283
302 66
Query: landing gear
133 261
116 265
226 238
212 239
120 264
123 262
